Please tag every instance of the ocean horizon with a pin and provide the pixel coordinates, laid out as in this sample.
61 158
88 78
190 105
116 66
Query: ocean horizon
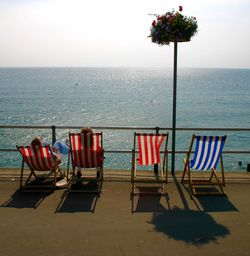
141 97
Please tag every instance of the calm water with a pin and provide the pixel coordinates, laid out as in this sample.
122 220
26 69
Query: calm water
124 97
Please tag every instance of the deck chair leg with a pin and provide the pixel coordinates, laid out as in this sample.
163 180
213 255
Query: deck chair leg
162 174
187 172
132 203
220 183
221 188
215 175
21 175
192 189
29 177
55 176
60 172
100 169
133 182
132 173
222 172
73 175
99 179
184 171
211 175
183 175
32 173
132 185
166 163
190 181
68 163
164 181
132 190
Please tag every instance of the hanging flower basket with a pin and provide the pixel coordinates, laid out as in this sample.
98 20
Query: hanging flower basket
173 27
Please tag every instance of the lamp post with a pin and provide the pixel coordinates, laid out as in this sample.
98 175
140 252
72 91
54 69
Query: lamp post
173 27
174 108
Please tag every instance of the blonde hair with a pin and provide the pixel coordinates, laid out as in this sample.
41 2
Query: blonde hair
37 141
86 130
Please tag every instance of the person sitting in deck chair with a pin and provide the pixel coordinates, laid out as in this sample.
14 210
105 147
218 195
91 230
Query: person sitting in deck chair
58 148
38 141
86 130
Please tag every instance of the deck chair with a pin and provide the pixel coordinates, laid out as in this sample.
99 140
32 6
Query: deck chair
146 153
43 169
87 154
207 154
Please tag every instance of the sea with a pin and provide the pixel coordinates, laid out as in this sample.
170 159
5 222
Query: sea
125 97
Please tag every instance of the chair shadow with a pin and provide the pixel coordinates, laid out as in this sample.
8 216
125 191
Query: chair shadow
25 199
193 227
150 203
216 204
207 203
72 202
212 203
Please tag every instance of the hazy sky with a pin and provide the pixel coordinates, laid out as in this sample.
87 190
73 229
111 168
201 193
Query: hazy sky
115 33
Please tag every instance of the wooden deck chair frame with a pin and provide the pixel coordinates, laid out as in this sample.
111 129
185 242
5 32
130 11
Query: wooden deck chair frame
47 167
75 166
160 177
213 180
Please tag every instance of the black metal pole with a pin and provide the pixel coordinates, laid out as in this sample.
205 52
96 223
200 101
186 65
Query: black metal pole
156 165
174 108
53 134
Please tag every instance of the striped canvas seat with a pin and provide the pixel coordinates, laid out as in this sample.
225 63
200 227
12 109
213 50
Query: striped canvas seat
39 160
207 154
146 153
149 148
86 150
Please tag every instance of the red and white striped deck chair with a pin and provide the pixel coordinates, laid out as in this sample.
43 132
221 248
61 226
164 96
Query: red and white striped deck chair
40 161
146 152
87 153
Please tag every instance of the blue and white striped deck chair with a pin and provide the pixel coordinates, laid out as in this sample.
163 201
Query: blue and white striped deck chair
207 154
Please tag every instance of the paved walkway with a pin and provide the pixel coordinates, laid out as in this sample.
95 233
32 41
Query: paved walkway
83 224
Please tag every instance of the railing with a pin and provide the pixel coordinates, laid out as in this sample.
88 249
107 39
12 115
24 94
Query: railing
54 129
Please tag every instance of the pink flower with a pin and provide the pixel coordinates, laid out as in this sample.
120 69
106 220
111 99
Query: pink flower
171 18
180 8
153 23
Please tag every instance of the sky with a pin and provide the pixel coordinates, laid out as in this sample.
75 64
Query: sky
114 33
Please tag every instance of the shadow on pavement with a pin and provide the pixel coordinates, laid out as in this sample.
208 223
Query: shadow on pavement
216 204
77 202
149 202
25 199
193 227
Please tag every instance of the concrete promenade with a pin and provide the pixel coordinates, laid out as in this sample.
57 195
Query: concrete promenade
64 223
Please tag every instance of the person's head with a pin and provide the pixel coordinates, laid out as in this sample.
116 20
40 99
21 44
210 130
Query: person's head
36 142
86 130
